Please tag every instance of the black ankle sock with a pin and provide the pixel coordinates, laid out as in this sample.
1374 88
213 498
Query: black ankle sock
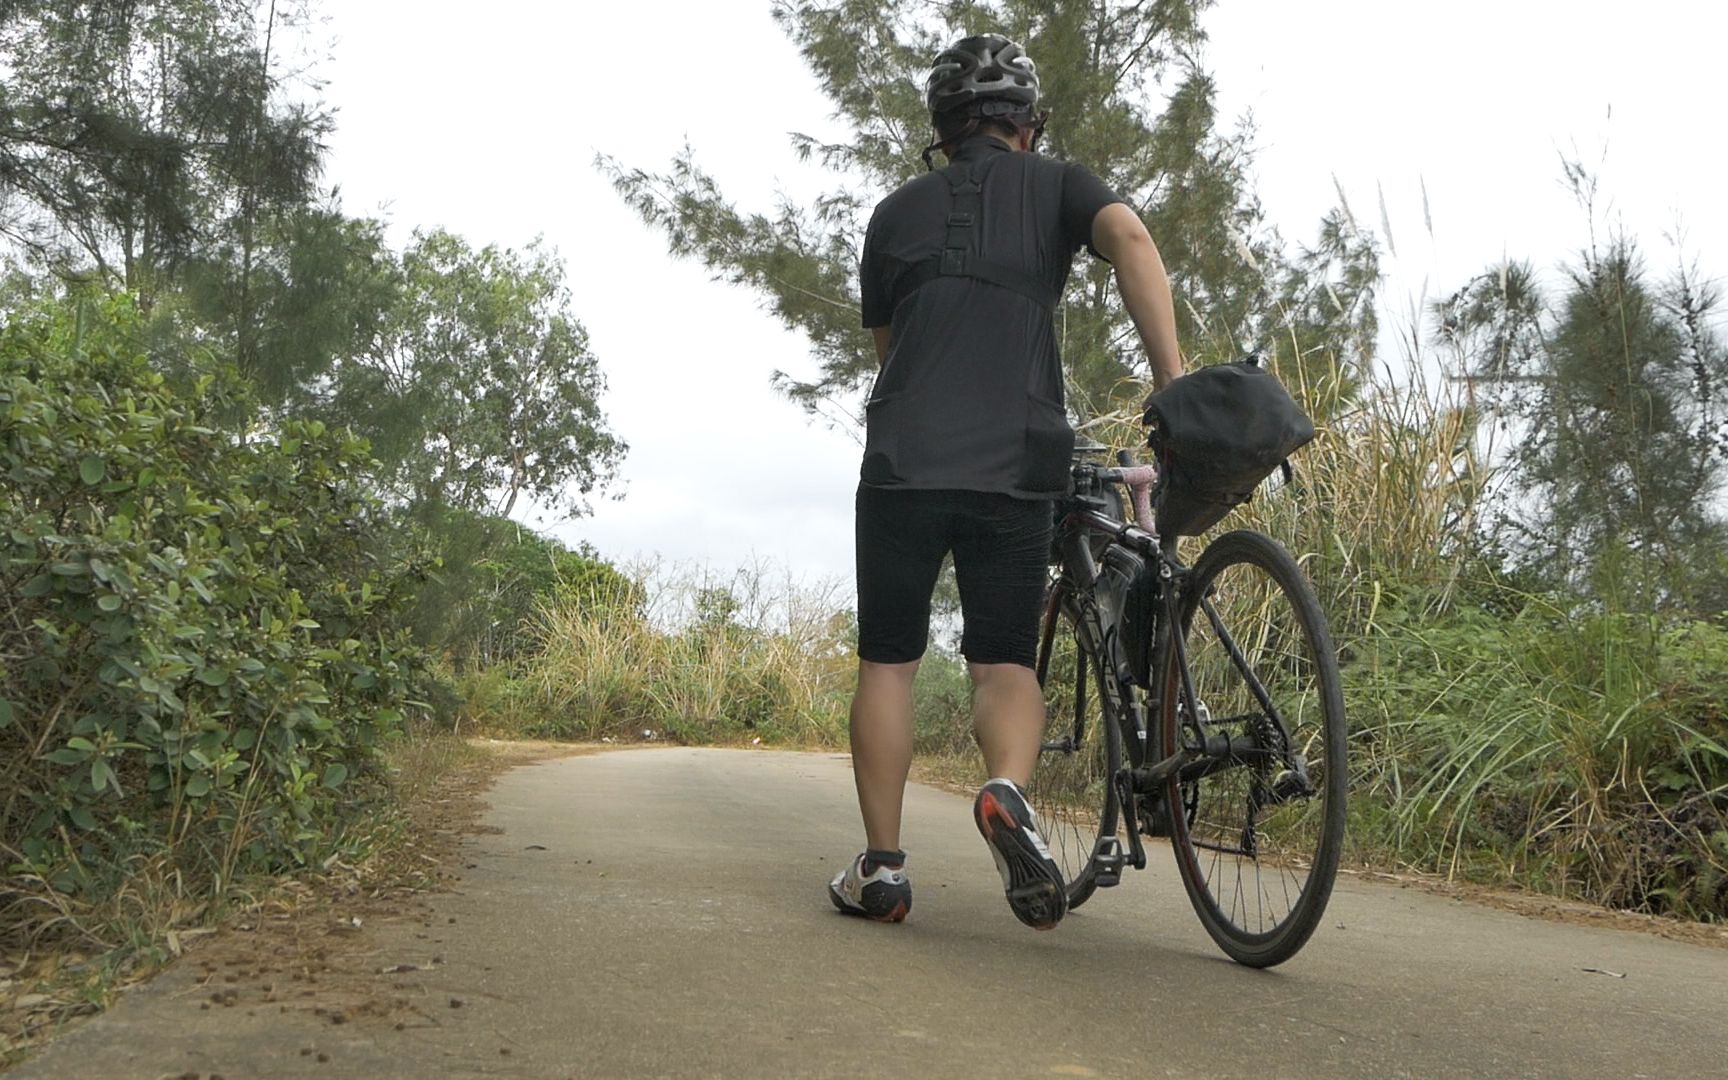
874 858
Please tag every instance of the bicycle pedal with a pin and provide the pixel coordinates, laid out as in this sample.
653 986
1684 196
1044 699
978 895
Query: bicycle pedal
1107 862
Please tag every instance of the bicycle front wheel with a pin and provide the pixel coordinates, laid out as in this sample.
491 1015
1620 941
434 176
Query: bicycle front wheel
1071 787
1257 825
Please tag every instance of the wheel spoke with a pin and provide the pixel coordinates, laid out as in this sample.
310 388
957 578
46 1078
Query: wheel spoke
1264 678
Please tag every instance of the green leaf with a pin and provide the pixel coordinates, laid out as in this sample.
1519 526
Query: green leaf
64 756
6 714
335 774
40 585
82 817
198 786
213 676
92 469
79 742
100 774
110 602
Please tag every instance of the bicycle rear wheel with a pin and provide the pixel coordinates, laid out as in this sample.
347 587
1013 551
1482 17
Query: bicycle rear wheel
1071 790
1256 831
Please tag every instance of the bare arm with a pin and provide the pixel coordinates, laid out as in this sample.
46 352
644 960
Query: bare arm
882 334
1120 236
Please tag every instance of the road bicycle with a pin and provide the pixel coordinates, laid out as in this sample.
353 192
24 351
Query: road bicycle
1197 705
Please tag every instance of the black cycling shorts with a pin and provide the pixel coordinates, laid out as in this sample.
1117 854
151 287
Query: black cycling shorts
1001 549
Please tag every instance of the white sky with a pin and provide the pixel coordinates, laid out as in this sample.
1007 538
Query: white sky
484 119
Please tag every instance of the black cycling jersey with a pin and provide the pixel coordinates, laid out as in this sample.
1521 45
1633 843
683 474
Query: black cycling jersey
970 397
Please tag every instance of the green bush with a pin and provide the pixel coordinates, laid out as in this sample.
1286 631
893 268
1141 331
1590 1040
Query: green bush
1581 752
478 610
198 652
942 705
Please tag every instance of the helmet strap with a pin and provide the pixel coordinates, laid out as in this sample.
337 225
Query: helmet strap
1036 127
953 140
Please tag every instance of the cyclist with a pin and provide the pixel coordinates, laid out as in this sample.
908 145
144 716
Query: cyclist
967 444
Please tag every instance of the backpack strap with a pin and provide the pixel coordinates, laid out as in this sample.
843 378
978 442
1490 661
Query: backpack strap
959 257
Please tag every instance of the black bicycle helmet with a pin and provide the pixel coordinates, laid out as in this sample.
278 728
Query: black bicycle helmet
982 68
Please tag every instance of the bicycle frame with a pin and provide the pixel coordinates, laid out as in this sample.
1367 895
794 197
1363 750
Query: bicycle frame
1083 517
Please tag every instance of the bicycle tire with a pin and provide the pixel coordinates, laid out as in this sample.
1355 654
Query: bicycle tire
1071 790
1216 831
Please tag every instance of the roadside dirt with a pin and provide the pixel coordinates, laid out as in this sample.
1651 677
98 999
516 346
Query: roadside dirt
310 951
304 947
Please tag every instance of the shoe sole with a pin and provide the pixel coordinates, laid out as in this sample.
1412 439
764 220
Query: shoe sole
897 914
1034 885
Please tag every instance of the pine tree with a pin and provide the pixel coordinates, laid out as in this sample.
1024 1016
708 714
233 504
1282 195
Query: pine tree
1128 97
139 137
1614 390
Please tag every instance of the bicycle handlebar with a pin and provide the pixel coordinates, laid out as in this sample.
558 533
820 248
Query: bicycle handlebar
1138 479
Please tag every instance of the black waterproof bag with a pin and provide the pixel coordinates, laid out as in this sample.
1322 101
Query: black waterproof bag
1218 433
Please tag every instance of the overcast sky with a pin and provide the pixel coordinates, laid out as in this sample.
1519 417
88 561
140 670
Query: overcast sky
484 119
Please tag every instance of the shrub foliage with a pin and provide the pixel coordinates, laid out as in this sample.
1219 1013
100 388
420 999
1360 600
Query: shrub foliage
196 643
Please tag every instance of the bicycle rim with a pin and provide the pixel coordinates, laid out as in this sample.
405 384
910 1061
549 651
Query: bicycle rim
1257 848
1070 789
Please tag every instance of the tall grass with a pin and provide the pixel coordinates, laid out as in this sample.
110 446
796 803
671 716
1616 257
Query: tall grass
1384 499
1583 753
1549 741
702 660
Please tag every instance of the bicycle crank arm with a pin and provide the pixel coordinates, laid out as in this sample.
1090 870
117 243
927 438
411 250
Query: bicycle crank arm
1124 782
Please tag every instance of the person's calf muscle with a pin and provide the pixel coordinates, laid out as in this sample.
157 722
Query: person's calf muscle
1008 718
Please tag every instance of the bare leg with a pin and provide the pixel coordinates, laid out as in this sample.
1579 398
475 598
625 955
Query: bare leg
882 747
1008 718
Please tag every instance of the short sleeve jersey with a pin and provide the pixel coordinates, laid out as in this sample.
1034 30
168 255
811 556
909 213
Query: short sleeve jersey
970 395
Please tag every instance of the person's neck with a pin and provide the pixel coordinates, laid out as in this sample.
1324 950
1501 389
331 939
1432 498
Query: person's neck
999 140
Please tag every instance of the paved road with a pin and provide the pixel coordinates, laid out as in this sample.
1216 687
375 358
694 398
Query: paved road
674 925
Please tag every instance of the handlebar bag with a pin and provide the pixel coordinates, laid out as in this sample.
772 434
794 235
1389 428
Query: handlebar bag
1218 433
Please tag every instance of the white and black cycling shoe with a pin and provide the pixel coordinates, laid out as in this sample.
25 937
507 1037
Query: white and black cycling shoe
883 894
1030 877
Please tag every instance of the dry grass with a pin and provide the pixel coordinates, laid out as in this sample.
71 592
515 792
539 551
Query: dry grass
704 661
